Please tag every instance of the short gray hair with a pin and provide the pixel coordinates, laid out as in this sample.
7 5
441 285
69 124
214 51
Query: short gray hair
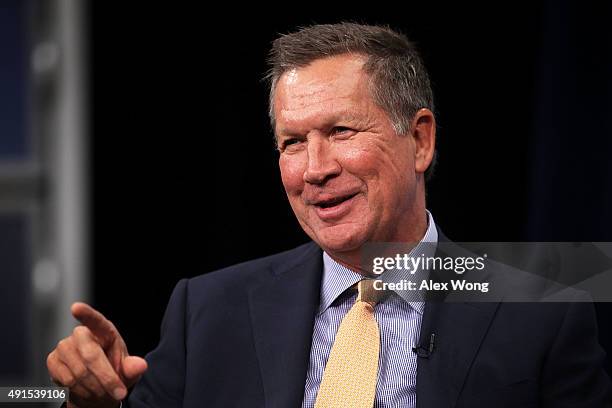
400 83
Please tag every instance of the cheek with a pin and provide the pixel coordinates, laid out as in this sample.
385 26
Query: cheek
384 169
365 161
292 174
357 158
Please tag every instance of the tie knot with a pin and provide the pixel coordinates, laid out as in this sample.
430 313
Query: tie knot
366 292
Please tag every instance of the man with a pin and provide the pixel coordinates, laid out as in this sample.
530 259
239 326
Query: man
351 107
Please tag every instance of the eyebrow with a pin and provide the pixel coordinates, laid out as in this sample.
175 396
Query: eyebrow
341 116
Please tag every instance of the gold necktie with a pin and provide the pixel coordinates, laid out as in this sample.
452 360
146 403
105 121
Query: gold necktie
349 379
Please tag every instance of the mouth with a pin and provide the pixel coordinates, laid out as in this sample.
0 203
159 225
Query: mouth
334 208
335 201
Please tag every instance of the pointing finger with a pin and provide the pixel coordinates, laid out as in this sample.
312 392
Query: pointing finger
95 321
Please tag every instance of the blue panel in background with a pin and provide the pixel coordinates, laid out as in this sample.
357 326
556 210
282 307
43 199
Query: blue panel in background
14 295
13 80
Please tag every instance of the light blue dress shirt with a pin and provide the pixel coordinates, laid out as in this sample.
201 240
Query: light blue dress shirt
399 319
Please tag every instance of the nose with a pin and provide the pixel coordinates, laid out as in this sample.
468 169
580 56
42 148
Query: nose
322 165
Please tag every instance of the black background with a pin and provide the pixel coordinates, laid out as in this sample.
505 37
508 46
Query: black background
185 175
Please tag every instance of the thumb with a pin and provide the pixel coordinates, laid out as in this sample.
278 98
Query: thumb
132 368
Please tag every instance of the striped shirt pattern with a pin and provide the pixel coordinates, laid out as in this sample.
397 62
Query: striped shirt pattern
399 320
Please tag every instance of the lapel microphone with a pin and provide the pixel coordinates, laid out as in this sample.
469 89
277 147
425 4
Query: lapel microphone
425 351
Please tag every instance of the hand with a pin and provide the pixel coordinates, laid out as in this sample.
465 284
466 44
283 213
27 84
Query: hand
93 362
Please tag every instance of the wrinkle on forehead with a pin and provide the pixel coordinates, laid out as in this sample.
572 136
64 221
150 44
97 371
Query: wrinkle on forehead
318 90
333 76
327 88
315 106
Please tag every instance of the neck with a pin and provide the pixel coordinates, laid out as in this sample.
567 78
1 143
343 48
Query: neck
353 259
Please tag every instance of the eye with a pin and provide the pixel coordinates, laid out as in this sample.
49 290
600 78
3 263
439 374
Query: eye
342 131
286 143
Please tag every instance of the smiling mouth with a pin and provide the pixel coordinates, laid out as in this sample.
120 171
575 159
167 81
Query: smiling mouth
334 201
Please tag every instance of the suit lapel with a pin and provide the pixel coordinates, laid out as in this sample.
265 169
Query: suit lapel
460 328
282 312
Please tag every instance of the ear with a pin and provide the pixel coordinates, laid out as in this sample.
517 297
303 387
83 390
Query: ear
424 133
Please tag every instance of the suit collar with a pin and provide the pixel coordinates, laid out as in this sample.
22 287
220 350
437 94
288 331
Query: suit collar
282 311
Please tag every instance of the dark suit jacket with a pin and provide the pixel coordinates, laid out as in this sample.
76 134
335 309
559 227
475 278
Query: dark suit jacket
241 336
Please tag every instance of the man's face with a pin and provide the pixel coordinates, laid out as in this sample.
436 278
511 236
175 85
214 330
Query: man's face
350 178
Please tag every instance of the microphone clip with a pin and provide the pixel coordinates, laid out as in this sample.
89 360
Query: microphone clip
426 351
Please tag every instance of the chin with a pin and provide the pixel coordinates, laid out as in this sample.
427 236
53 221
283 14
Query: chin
340 238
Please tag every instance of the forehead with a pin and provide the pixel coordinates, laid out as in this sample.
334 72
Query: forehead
326 88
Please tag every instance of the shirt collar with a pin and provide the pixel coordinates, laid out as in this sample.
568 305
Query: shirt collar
338 278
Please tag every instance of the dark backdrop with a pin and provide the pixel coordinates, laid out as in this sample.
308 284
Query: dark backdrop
185 177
